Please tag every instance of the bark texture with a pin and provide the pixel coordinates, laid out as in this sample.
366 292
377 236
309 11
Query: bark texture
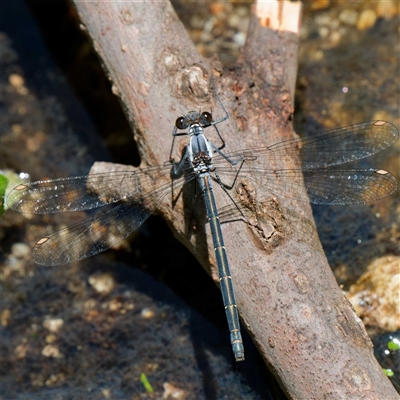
288 299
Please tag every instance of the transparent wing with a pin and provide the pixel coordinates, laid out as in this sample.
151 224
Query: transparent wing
334 147
83 192
335 187
323 186
98 233
126 194
327 187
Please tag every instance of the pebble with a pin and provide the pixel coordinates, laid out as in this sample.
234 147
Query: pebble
375 296
20 250
366 20
51 351
173 392
53 324
102 282
348 17
147 313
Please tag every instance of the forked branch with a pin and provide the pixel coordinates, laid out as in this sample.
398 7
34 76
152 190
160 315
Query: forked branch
288 299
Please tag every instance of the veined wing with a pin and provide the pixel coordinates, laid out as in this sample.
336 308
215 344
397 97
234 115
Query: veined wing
83 192
334 147
98 233
335 187
324 186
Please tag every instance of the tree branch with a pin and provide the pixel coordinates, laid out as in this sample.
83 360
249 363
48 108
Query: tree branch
288 299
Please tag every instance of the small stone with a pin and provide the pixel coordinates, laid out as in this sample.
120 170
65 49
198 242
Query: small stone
375 296
173 392
53 324
147 313
115 305
51 338
323 31
348 17
51 351
21 351
20 250
366 20
106 393
5 317
387 9
102 282
240 38
16 80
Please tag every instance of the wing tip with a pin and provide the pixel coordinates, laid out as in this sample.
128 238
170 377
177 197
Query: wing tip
389 125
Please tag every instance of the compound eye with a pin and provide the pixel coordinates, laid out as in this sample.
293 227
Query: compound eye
207 116
180 123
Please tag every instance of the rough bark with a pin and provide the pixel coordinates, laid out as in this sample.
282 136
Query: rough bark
288 299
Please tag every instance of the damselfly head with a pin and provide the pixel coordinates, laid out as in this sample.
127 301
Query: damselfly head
194 117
